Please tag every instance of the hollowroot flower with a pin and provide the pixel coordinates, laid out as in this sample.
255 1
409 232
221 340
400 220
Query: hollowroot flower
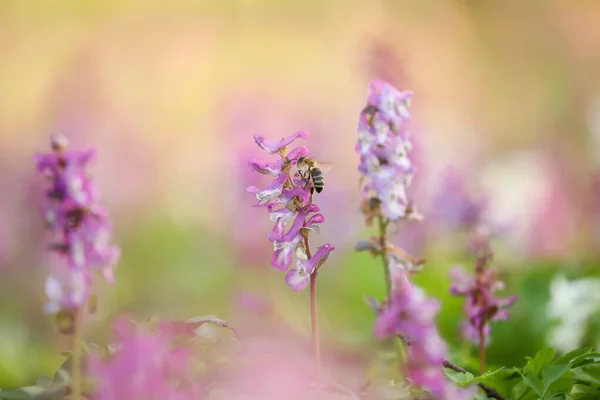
78 224
289 202
146 365
383 145
410 314
481 306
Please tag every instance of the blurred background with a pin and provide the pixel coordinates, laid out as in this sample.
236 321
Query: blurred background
506 133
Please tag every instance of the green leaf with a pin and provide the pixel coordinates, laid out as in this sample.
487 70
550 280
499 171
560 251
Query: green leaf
584 396
584 359
552 373
579 388
589 374
534 382
503 380
559 388
462 378
541 359
520 389
572 355
16 394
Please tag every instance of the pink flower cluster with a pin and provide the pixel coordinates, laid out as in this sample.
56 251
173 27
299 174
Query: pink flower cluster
146 365
77 222
410 314
383 145
407 313
289 202
481 306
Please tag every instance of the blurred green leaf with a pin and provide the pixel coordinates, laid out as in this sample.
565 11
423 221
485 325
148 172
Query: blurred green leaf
463 379
572 355
503 380
542 358
552 373
534 382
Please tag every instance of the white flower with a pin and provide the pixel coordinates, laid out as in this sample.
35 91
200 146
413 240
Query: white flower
572 303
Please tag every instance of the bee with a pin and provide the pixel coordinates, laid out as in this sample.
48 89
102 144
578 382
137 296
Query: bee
313 170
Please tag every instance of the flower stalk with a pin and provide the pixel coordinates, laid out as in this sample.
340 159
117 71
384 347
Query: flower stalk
383 243
289 201
80 233
77 354
314 318
407 314
481 306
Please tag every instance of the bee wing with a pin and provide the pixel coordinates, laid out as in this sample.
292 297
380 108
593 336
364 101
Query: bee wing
325 166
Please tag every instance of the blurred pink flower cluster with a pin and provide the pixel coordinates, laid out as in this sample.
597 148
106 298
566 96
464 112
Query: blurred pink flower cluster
78 224
146 365
481 305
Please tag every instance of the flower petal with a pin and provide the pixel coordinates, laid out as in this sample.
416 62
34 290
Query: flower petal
297 279
266 168
273 147
317 259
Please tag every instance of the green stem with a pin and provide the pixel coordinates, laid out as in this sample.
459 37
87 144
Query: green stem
383 243
314 321
77 350
481 350
398 342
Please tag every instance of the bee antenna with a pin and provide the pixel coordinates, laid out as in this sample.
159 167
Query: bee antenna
301 159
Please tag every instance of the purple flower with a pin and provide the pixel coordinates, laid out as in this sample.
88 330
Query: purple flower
383 145
289 201
454 206
481 307
146 366
299 277
273 147
78 224
410 314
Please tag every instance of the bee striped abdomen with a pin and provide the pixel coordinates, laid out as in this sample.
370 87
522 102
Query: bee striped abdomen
318 179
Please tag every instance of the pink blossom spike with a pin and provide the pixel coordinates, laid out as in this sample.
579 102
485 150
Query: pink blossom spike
289 202
78 224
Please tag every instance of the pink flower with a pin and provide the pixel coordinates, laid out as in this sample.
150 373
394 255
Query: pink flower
289 201
273 147
146 366
481 307
383 145
79 224
410 314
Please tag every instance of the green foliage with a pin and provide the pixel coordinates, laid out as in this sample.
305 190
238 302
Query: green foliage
575 375
45 388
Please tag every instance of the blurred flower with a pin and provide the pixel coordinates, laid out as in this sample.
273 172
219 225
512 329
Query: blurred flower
571 304
453 206
410 314
145 366
289 201
384 63
538 209
596 208
78 223
481 307
383 147
253 302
